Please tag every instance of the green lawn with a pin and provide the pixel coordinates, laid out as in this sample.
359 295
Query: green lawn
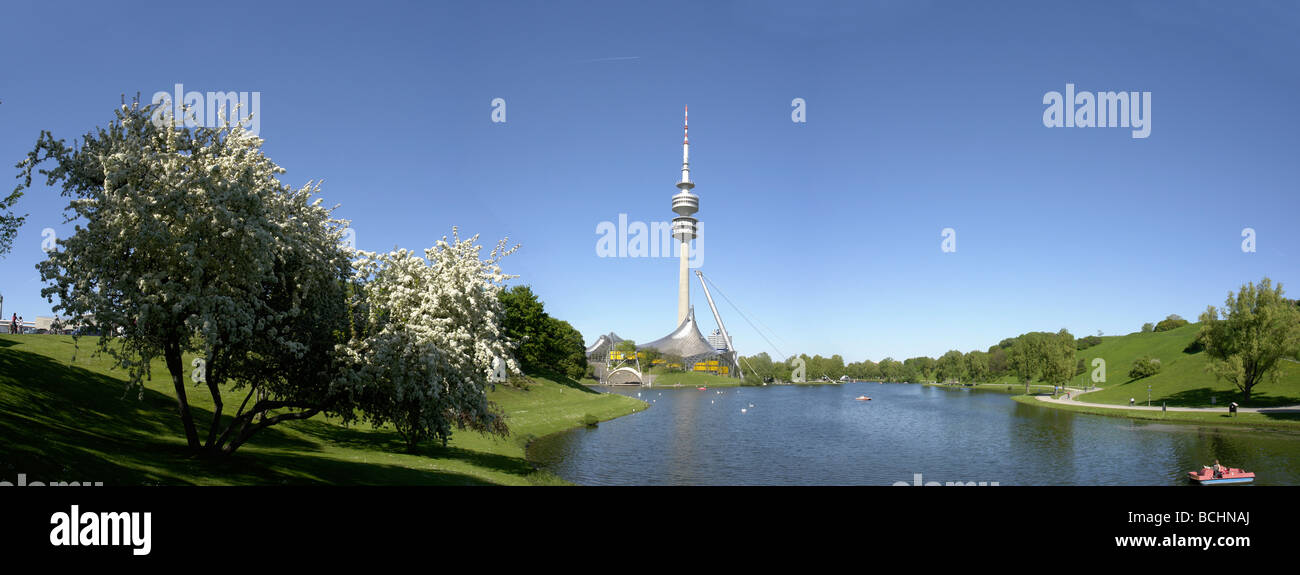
66 420
693 379
1183 380
1261 420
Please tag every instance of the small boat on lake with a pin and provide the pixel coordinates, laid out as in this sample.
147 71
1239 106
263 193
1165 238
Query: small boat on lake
1208 476
862 398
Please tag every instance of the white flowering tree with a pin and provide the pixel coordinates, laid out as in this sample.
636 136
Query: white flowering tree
187 241
427 336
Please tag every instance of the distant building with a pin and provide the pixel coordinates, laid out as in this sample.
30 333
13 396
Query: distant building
43 324
604 343
718 341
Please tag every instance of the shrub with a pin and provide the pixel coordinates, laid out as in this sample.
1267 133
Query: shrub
1144 367
1171 322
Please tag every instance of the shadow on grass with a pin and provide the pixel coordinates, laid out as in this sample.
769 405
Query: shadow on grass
64 423
1200 397
503 463
284 468
389 441
564 380
55 416
351 437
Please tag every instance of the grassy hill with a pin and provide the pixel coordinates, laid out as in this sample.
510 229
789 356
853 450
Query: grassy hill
1183 379
65 420
665 378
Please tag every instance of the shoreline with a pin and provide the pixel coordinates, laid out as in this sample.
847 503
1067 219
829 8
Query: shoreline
528 444
1014 388
1276 419
1284 418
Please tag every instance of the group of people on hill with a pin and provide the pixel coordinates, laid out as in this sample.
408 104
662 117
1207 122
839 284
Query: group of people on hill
15 324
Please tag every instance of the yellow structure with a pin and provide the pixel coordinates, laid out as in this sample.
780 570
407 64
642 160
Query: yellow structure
712 367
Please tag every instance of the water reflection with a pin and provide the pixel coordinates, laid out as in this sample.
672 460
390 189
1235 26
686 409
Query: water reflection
818 435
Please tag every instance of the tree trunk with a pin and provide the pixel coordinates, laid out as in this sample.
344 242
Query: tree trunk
242 428
172 354
246 432
217 405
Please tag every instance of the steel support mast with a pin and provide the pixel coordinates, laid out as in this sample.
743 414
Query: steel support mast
735 358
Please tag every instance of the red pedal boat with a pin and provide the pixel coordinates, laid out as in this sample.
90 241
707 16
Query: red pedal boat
1207 476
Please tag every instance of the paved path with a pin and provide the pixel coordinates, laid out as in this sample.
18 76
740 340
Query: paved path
1075 393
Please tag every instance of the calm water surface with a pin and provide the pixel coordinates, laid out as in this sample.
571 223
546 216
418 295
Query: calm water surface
818 435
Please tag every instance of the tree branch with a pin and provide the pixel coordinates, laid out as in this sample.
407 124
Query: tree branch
267 422
239 426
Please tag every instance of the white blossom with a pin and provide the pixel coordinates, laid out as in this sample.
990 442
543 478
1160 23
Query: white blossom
430 337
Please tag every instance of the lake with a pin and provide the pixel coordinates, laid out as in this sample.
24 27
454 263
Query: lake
819 435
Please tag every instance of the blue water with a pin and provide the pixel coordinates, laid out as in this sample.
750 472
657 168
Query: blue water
818 435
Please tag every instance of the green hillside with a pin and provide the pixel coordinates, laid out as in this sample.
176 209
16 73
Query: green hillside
64 420
1183 379
692 379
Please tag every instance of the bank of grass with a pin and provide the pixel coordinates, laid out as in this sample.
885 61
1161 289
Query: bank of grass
1289 421
72 420
1002 386
692 379
1183 380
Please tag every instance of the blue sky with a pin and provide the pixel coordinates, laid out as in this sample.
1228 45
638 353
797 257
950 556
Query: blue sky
920 116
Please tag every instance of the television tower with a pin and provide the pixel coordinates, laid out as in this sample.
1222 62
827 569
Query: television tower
685 204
